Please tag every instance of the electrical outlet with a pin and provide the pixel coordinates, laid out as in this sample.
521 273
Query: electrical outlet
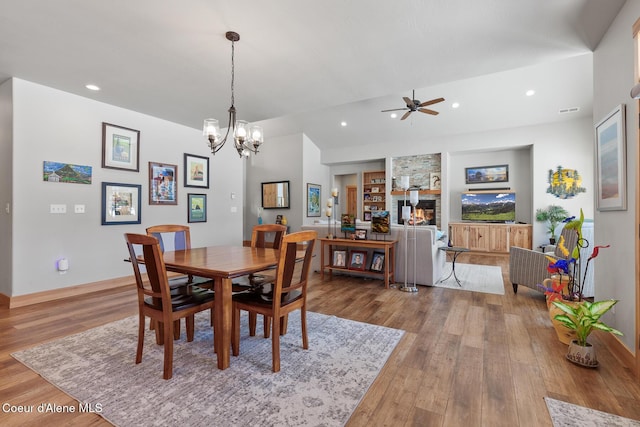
58 209
79 209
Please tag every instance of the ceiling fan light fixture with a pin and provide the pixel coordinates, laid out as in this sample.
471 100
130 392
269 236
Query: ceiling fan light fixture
413 105
247 139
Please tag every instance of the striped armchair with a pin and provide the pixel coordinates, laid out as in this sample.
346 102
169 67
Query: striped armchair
529 268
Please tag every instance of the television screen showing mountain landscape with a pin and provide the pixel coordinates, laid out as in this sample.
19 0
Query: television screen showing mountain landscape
489 206
65 172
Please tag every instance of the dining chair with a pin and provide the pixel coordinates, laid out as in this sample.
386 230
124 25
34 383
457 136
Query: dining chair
157 301
286 294
180 239
259 236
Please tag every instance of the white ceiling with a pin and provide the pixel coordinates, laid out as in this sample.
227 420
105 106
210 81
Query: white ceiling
307 65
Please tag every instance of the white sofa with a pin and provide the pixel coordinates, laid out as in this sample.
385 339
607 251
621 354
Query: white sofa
430 261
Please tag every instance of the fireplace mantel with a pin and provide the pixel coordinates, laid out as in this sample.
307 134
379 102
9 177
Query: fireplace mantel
420 192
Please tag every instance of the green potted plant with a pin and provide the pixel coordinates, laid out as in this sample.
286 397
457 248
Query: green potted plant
583 318
554 215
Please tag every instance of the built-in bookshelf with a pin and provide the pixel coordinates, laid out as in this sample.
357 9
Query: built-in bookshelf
373 193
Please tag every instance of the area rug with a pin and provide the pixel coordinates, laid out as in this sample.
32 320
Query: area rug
475 278
319 386
565 414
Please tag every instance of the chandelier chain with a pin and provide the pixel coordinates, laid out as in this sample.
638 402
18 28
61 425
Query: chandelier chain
233 71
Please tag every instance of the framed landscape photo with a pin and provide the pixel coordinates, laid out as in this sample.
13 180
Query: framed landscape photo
163 184
486 174
357 260
339 258
197 207
313 199
611 161
196 171
121 203
120 148
377 262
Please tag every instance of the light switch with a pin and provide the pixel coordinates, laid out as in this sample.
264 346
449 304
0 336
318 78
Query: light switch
234 209
58 209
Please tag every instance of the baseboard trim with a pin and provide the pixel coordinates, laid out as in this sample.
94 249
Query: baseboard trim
620 351
55 294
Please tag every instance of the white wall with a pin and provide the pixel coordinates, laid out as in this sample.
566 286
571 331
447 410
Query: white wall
6 170
57 126
316 173
613 79
280 159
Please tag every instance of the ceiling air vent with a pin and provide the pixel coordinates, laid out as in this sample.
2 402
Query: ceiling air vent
569 110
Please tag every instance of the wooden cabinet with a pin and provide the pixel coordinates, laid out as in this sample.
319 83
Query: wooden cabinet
373 193
494 238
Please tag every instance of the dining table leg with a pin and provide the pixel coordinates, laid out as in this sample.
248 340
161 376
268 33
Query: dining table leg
222 321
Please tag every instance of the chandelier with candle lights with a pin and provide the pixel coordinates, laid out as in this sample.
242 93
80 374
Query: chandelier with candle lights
246 138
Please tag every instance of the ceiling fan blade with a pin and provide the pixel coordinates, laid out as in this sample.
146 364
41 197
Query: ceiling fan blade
427 111
395 109
407 101
433 101
406 115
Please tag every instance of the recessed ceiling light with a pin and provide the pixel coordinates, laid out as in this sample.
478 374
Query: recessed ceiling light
92 87
393 115
530 92
455 105
343 124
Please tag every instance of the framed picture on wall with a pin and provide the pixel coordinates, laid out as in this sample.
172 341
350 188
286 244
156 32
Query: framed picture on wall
120 148
486 174
121 203
197 204
611 161
313 199
196 171
163 184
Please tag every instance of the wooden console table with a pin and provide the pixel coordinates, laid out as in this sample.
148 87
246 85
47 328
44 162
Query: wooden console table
388 273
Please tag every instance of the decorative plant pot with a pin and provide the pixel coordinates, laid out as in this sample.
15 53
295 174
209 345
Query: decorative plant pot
565 335
583 356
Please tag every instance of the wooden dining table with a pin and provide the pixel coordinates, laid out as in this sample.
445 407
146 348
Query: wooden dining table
222 264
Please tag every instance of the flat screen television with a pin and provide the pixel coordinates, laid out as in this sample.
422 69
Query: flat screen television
489 206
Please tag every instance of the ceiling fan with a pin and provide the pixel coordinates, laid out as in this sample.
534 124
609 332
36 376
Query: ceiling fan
415 105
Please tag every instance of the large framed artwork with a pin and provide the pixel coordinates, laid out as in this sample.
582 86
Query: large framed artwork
197 207
486 174
313 199
611 161
196 171
121 203
163 184
120 148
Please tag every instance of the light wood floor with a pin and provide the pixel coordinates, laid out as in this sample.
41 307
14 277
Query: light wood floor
467 359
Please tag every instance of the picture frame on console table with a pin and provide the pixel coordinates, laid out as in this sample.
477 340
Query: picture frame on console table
339 258
357 260
377 262
360 234
611 161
